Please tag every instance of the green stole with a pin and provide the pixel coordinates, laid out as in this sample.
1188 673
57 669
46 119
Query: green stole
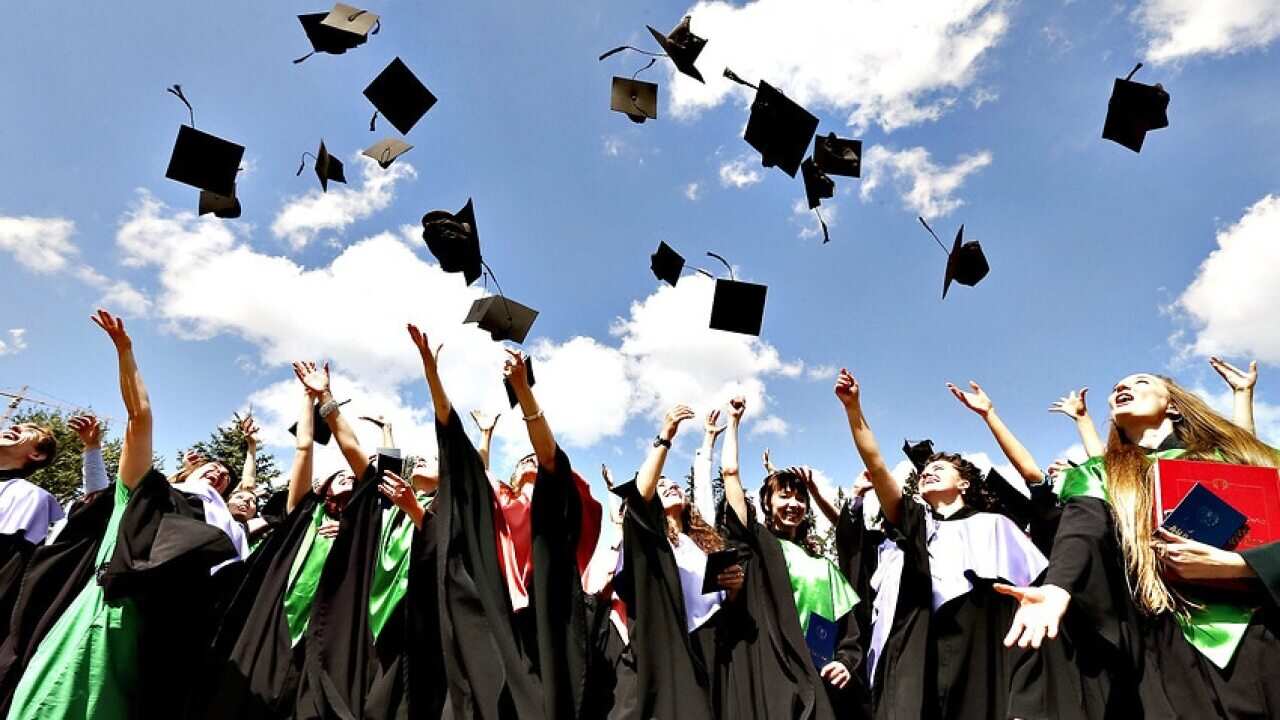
817 585
1215 628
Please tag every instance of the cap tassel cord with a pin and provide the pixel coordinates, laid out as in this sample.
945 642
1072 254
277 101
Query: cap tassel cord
304 57
726 264
935 236
176 91
1135 69
488 271
825 237
646 67
619 49
734 77
373 121
303 165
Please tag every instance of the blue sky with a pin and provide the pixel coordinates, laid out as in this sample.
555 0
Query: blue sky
983 113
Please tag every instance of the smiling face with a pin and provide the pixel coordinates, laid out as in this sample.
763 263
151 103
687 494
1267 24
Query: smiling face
25 445
941 483
243 505
1139 397
670 494
788 507
214 474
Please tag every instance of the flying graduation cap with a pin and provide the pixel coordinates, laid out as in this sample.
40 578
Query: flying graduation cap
966 263
502 318
222 206
737 306
680 45
400 96
319 428
385 151
1135 109
817 187
778 128
837 156
341 29
202 160
666 264
918 453
454 240
327 167
636 99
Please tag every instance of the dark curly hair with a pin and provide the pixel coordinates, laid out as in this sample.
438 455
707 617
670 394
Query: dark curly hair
976 496
784 480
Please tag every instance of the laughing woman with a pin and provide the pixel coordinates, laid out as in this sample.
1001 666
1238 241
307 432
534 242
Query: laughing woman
1192 628
935 649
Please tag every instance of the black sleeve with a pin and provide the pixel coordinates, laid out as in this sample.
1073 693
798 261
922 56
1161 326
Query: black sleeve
912 533
1264 560
1087 562
1045 516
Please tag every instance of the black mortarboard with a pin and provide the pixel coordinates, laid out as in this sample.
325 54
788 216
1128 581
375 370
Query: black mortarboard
502 318
966 264
454 240
528 376
1012 503
779 129
838 156
738 306
626 488
385 151
327 167
205 161
666 264
918 453
319 428
817 186
636 99
223 206
399 96
352 20
683 47
1133 110
325 38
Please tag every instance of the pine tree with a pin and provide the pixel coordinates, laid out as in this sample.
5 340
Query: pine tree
226 444
62 478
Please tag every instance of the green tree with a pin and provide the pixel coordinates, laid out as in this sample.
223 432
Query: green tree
62 477
226 444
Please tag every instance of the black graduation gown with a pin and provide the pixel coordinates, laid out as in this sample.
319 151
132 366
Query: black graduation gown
15 552
161 561
253 671
611 689
347 674
502 664
676 672
950 663
856 552
783 682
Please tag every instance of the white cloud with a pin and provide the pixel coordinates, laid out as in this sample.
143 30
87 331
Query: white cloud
1178 29
807 219
739 173
822 372
768 425
983 95
305 216
16 342
926 188
1232 301
1266 416
692 191
883 63
613 146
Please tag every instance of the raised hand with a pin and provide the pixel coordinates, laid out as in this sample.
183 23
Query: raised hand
1058 467
862 485
513 370
671 423
803 472
89 430
607 475
421 342
114 327
709 426
314 379
976 400
485 423
769 469
1040 611
1072 405
193 459
398 491
737 407
847 389
1239 380
249 428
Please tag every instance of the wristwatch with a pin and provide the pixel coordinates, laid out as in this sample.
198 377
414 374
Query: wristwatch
660 441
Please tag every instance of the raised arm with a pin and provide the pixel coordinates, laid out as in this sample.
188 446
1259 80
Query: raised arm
703 459
540 436
888 489
651 469
1241 384
1073 406
431 370
300 471
824 504
135 455
249 474
94 466
734 496
486 426
1017 453
316 380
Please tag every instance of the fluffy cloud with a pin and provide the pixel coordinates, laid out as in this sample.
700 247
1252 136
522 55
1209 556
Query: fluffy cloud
1266 416
768 425
926 188
888 64
1233 299
305 216
1178 29
44 246
16 342
692 191
739 173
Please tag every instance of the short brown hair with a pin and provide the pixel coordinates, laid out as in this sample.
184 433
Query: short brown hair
47 444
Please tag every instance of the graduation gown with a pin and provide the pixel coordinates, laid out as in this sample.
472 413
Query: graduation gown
857 556
942 654
611 689
499 663
15 552
121 629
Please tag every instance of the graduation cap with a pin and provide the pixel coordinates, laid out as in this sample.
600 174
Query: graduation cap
1012 503
502 318
666 264
202 160
385 151
223 206
626 488
454 240
817 187
319 428
778 128
737 306
528 376
837 156
636 99
327 167
1135 109
400 96
681 45
326 38
918 453
966 263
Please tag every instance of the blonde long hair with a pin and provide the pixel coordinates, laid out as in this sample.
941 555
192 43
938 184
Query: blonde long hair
1130 485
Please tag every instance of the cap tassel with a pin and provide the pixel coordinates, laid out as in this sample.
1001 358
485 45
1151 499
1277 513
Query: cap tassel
620 48
377 25
373 121
726 264
825 237
488 274
734 77
646 67
303 165
1135 69
176 91
304 57
935 235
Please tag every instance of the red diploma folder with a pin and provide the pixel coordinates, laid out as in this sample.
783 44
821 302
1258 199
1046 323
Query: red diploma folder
1254 491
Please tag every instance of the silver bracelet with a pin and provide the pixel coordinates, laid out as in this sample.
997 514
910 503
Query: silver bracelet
329 408
535 416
